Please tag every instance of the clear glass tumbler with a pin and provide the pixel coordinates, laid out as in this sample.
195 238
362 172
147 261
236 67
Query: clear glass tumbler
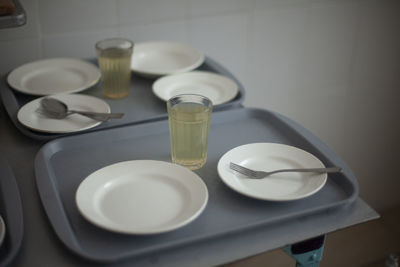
114 57
189 122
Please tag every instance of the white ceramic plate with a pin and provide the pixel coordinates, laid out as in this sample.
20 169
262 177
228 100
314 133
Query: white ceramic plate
54 76
30 117
219 89
154 59
271 156
142 197
2 230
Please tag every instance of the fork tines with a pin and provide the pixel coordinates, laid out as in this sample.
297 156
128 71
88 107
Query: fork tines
243 170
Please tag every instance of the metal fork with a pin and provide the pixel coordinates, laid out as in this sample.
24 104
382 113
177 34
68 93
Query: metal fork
261 174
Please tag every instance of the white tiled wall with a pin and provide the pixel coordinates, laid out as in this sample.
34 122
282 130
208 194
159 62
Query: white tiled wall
331 65
136 12
224 38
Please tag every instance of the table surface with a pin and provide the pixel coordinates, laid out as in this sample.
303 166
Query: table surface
41 246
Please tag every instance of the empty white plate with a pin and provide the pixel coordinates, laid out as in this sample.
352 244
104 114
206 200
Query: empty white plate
54 76
142 197
29 115
267 157
154 59
219 89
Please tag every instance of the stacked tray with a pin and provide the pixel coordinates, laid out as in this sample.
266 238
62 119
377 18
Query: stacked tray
62 164
11 211
140 106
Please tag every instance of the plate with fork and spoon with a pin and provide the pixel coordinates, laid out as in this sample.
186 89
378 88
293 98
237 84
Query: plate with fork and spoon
271 171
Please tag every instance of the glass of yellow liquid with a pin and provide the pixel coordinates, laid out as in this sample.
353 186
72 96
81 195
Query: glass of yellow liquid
189 122
114 57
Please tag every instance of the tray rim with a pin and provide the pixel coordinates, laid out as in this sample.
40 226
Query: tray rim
14 215
73 244
9 98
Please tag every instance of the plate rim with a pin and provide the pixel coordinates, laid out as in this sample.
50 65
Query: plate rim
192 217
152 74
33 102
249 194
13 77
156 84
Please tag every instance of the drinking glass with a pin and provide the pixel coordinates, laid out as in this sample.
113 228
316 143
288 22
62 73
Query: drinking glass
189 122
114 56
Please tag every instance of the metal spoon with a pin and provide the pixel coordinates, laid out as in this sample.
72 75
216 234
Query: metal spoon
57 109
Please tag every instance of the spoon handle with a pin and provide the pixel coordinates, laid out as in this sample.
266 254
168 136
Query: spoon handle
98 115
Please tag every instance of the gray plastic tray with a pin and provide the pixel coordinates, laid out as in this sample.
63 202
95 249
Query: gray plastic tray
11 211
62 164
140 106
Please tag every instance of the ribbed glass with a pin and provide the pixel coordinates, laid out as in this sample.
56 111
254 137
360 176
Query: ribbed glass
189 120
114 57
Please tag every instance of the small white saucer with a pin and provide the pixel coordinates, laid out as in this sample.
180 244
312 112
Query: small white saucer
54 76
154 59
283 186
29 115
218 88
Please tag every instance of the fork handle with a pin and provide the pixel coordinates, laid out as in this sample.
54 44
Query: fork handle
320 170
